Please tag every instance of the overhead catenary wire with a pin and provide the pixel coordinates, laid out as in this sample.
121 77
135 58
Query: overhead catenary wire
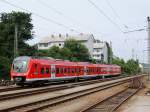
115 13
105 15
42 17
56 11
74 21
113 10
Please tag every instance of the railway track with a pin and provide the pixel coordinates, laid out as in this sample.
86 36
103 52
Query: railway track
42 104
33 91
112 103
59 96
13 87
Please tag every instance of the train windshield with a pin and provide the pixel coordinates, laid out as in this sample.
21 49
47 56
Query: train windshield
20 65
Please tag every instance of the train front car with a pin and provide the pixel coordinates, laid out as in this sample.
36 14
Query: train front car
19 70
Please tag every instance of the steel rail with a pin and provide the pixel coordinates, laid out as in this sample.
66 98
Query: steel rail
112 103
50 89
38 105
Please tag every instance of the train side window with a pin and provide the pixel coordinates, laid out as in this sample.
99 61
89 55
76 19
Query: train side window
35 66
42 70
77 70
68 70
96 69
47 71
57 70
60 70
87 70
65 70
72 70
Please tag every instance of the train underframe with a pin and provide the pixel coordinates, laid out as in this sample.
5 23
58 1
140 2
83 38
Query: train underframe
21 80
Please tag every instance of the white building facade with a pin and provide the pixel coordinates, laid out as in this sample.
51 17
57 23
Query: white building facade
97 49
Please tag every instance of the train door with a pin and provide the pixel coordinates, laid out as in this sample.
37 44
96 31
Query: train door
85 70
52 71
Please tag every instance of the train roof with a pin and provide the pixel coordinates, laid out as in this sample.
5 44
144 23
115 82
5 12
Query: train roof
47 60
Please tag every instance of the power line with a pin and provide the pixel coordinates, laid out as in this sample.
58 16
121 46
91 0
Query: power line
104 14
115 13
136 30
42 17
61 14
56 11
50 7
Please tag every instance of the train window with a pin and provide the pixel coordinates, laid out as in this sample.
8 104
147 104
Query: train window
57 70
68 70
82 70
60 70
77 70
35 66
42 70
96 69
72 70
65 70
47 70
91 70
87 70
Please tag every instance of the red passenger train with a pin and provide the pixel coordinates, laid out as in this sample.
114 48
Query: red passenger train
31 70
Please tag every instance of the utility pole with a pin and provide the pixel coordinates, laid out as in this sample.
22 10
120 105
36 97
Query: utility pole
16 41
148 30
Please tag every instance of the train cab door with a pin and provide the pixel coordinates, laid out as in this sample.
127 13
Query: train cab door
53 71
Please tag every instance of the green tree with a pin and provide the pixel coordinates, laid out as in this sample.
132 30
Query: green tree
54 52
65 53
132 66
129 67
8 21
72 50
110 53
78 51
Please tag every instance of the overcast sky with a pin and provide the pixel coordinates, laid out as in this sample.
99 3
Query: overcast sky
107 21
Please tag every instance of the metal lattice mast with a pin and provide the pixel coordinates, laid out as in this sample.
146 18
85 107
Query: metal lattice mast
148 30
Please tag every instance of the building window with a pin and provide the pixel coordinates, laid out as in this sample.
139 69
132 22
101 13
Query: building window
45 44
59 44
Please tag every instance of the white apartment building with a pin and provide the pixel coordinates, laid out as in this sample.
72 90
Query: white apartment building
97 49
100 51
